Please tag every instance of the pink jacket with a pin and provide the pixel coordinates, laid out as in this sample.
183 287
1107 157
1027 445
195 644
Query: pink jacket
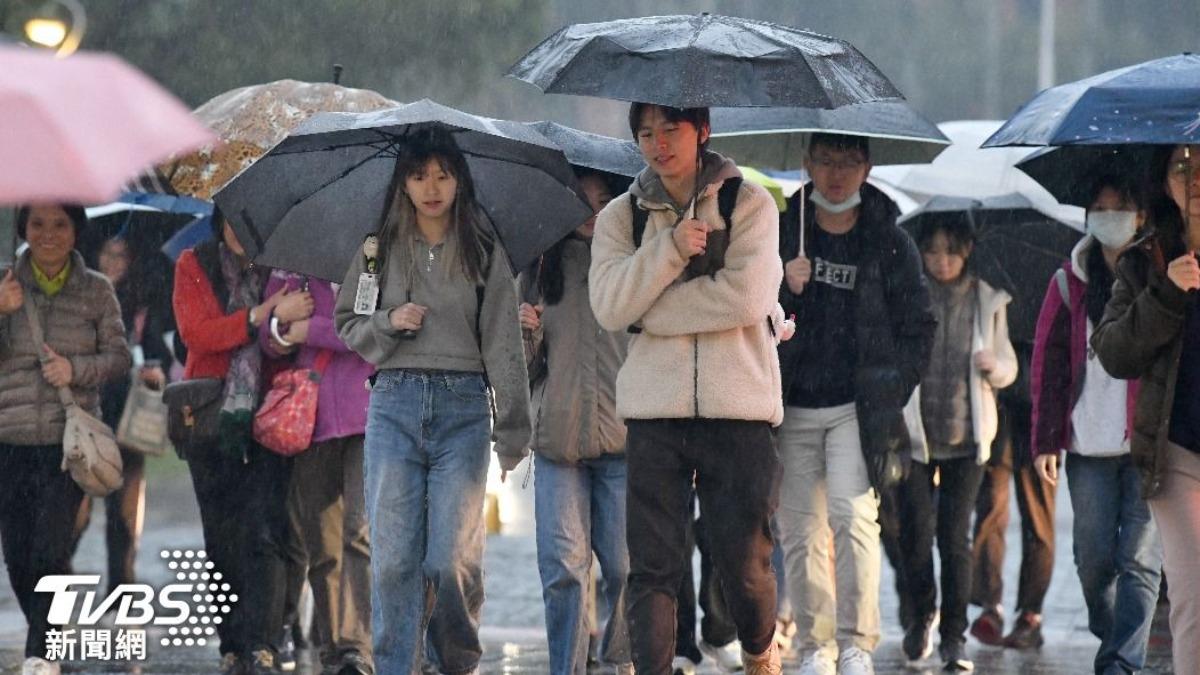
1060 350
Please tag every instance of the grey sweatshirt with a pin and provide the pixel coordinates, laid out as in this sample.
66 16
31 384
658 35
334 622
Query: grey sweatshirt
449 338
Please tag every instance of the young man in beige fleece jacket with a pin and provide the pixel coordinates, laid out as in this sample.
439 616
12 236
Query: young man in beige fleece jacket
700 388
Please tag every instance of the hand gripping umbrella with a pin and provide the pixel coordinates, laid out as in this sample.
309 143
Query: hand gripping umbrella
307 204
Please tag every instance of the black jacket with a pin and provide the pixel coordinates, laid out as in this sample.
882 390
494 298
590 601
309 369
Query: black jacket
894 326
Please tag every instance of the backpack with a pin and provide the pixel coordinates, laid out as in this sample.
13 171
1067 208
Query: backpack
726 202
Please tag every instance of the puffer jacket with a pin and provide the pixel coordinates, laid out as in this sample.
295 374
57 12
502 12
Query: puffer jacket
1141 337
573 365
82 323
705 349
893 326
989 331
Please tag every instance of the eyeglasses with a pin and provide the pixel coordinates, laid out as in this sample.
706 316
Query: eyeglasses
1181 169
840 165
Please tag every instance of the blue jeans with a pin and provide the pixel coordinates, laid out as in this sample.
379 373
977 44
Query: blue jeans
580 508
426 461
1118 557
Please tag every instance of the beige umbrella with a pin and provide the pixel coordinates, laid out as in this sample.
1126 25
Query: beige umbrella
250 120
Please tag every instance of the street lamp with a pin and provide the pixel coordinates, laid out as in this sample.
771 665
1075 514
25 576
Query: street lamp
58 25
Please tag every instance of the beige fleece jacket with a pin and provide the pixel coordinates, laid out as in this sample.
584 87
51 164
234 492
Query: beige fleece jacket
705 349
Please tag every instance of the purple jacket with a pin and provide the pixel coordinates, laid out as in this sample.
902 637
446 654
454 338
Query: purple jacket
342 397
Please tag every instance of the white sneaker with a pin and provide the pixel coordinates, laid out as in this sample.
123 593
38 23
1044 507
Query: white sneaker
38 666
727 658
682 665
855 661
817 663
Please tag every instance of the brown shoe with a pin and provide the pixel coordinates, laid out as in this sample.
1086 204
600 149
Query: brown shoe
766 663
1026 633
988 628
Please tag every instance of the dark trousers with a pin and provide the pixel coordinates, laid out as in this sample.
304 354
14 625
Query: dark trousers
38 506
124 515
945 510
716 627
243 512
1011 462
889 535
737 472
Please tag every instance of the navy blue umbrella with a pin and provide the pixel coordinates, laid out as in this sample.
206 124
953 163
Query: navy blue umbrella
1067 172
1156 102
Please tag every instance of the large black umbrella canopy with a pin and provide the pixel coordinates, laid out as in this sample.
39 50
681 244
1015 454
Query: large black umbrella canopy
594 151
307 204
703 60
1149 103
1017 248
776 138
1067 171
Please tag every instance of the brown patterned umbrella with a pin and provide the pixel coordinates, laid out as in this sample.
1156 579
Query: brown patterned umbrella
251 120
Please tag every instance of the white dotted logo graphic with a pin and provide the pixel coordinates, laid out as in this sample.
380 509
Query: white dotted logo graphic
211 599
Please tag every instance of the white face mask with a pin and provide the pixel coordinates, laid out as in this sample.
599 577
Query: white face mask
823 202
1113 229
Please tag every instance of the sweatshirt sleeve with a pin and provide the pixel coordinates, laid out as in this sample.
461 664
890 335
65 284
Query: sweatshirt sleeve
624 282
112 359
504 359
1005 372
1050 373
372 336
744 292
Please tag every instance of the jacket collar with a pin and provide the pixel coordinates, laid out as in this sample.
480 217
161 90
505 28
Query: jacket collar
652 194
24 270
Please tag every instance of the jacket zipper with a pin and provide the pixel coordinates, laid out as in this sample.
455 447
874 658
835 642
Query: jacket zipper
696 375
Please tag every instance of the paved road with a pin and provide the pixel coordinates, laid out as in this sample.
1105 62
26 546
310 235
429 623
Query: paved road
513 622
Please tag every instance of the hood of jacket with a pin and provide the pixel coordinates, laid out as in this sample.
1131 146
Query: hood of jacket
649 189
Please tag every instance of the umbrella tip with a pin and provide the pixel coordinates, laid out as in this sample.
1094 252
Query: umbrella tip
337 73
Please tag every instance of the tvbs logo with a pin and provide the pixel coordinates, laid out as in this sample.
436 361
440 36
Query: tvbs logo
190 609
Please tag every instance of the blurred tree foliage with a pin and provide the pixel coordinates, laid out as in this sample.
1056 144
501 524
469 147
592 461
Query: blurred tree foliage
952 58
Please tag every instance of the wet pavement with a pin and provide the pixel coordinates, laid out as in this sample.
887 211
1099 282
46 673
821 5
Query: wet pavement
513 627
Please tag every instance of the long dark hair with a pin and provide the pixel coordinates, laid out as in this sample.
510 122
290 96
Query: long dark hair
549 278
1100 278
1162 213
469 239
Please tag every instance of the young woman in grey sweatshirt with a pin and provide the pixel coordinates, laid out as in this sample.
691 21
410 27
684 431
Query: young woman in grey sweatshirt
443 332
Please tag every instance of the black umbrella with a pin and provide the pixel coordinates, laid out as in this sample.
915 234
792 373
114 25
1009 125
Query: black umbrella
593 151
307 204
1017 248
1065 171
775 138
694 61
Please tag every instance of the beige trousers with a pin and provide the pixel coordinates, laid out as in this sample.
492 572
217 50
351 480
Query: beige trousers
1177 513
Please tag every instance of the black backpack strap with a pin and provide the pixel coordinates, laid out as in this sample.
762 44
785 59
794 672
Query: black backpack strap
640 216
727 201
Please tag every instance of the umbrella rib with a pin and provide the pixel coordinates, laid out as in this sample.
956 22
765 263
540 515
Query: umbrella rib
381 153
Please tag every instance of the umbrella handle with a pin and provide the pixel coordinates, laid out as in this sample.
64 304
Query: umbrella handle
803 210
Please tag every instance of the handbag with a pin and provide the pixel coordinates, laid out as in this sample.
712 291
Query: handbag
284 423
143 425
193 412
90 451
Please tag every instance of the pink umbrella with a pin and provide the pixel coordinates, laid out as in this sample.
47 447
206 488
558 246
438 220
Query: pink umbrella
76 129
